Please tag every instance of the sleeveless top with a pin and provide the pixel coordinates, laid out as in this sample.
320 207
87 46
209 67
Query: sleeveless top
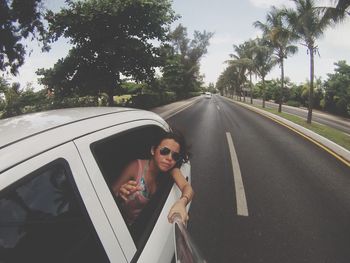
137 201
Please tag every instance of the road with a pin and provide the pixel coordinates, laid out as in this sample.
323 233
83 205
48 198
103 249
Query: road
297 198
340 123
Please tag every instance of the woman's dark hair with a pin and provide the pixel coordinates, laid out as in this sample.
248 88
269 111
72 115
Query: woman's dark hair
178 137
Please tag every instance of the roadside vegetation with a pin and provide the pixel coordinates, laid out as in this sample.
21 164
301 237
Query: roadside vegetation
113 59
284 32
330 133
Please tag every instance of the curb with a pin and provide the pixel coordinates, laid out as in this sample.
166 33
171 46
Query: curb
336 150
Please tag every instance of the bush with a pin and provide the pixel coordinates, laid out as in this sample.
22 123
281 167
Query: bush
293 103
151 100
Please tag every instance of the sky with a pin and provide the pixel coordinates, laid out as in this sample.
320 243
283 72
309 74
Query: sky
231 21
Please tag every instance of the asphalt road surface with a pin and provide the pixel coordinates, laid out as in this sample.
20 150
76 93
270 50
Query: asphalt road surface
286 201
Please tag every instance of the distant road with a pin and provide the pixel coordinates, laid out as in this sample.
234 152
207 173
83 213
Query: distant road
342 124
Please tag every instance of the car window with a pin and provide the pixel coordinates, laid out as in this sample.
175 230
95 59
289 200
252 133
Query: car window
113 154
43 220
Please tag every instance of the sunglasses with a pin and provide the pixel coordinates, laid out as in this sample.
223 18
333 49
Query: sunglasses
174 155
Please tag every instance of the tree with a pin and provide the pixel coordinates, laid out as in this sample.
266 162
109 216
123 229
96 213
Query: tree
264 61
227 81
279 38
111 39
308 22
337 90
243 63
19 20
181 72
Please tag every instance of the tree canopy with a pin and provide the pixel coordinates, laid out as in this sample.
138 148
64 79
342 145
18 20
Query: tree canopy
181 70
111 39
19 20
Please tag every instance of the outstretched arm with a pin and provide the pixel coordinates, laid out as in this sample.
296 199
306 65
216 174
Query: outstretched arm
187 193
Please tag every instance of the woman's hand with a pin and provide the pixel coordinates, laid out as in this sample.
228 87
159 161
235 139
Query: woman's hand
179 208
127 189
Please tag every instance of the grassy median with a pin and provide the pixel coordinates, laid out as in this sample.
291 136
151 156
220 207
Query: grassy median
330 133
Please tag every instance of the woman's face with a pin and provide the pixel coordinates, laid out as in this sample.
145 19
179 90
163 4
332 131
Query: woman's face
164 154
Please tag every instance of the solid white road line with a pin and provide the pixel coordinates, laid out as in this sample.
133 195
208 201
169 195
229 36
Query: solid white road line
218 107
242 208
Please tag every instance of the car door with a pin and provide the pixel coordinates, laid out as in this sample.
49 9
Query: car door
103 154
51 213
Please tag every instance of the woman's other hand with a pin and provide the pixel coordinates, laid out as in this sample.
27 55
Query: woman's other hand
128 189
179 208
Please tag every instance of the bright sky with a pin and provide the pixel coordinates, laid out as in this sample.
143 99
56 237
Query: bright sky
231 21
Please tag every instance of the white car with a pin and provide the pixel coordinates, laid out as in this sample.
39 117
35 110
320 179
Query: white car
208 95
56 204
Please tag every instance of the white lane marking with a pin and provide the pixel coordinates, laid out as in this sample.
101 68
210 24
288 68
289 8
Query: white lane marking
242 208
218 107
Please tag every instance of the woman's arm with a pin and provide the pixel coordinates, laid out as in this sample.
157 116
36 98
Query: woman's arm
187 193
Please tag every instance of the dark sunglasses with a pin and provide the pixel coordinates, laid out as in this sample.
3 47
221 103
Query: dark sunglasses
174 155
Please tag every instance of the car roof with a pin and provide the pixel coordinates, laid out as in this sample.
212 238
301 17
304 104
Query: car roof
26 135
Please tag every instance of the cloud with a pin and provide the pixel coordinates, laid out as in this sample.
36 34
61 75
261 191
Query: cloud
222 39
269 3
280 3
338 38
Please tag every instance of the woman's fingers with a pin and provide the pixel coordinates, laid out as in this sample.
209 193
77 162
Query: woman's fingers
128 189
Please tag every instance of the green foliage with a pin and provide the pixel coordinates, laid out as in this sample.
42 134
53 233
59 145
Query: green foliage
19 20
337 90
111 38
181 69
150 100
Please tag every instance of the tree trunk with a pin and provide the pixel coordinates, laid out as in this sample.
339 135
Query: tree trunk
264 92
311 89
251 88
110 96
282 87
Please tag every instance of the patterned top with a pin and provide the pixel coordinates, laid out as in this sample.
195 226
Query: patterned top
137 201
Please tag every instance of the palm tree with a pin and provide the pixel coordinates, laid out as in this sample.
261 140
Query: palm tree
279 38
308 22
264 61
243 63
340 11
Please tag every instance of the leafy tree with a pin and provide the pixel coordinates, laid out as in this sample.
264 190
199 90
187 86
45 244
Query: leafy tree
227 81
337 90
111 39
19 19
279 38
181 72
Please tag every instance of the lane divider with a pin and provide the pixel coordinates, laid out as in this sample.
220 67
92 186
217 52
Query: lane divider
241 201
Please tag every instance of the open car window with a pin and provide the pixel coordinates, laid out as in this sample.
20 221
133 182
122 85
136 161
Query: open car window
113 154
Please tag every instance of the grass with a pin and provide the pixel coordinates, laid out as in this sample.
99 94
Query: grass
330 133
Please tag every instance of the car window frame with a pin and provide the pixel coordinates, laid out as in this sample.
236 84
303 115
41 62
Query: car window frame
69 154
122 232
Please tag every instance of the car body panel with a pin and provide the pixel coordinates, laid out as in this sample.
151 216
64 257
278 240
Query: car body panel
117 222
69 153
